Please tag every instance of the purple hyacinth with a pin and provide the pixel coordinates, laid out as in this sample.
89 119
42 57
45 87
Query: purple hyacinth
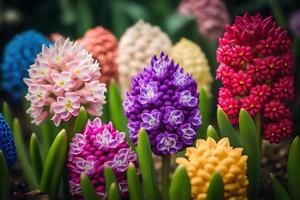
99 145
164 101
295 23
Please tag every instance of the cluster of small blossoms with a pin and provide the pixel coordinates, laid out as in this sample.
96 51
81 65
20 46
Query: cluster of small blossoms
164 101
209 157
137 45
64 77
103 45
256 68
193 60
7 144
99 145
211 16
18 55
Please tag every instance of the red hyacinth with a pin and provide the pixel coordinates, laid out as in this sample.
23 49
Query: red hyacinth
256 69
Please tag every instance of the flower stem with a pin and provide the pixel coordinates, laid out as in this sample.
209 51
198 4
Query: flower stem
166 176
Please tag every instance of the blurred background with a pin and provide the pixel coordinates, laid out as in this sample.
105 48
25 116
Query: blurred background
72 18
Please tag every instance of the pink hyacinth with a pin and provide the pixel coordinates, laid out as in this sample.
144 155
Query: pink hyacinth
63 78
99 145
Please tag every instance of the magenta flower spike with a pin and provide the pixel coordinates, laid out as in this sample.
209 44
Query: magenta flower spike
164 101
256 68
99 145
63 78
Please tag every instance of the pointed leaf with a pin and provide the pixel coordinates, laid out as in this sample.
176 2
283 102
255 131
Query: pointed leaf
88 190
23 155
84 16
7 114
251 147
109 176
54 165
227 130
4 178
293 169
114 193
80 121
180 185
150 185
279 192
116 109
216 188
204 106
35 156
134 184
211 132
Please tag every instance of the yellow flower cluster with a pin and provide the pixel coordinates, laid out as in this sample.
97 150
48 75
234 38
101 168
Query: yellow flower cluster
209 157
136 47
193 60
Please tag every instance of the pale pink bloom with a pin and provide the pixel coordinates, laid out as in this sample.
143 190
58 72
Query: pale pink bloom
66 107
63 78
94 91
62 81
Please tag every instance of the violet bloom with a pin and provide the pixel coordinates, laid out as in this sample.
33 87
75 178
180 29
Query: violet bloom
164 101
99 145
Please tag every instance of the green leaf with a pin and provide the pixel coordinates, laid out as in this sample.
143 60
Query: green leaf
54 164
109 176
251 147
279 192
23 155
293 169
180 185
114 193
84 16
44 134
6 111
4 178
150 185
106 115
35 156
80 121
134 184
88 190
115 107
216 188
211 132
227 130
204 106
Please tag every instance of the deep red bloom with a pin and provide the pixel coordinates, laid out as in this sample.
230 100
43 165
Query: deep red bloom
272 132
252 104
256 68
275 110
284 89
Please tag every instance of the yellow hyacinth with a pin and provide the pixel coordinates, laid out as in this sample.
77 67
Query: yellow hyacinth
209 157
193 60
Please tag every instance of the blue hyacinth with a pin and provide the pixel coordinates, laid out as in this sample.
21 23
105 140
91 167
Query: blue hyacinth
18 55
7 145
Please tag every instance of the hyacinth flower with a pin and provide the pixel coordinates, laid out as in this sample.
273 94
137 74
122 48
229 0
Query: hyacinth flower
193 60
295 23
164 101
103 46
211 16
256 69
209 157
63 78
7 145
97 146
18 55
137 45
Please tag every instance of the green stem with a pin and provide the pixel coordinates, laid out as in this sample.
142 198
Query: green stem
166 160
